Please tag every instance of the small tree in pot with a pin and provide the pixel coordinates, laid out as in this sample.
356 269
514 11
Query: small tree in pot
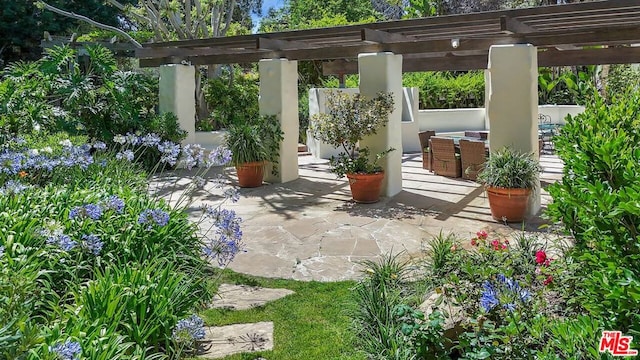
509 178
348 119
252 145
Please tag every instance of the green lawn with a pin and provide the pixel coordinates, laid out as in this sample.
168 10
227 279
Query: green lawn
310 324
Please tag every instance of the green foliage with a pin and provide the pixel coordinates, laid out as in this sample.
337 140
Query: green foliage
349 119
507 168
447 90
378 324
621 78
142 303
122 301
305 14
563 86
440 254
22 24
233 102
255 141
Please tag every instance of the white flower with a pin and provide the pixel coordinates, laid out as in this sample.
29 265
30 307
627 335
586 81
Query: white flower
47 150
66 143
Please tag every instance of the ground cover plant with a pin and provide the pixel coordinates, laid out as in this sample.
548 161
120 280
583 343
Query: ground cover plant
94 267
312 323
494 298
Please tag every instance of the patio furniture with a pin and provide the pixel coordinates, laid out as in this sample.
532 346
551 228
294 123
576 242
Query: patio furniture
481 134
445 160
546 131
472 156
426 151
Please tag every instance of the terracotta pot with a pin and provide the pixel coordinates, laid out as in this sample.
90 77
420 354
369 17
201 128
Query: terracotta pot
365 188
509 204
250 174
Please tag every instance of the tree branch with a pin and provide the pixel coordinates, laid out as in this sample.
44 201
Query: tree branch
92 22
229 17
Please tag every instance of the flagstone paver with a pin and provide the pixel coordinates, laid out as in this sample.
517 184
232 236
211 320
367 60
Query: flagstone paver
243 297
309 229
221 341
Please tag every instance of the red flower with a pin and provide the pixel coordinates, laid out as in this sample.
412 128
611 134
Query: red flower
541 257
547 262
482 234
474 242
548 281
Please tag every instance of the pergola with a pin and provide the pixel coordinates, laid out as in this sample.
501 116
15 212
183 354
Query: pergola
509 44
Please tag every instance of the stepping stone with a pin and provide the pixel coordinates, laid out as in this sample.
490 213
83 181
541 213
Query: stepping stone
221 341
243 297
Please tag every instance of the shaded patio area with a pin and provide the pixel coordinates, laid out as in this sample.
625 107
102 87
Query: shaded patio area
309 229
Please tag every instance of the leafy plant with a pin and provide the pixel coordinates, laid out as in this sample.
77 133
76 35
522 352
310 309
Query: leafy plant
257 141
507 168
349 119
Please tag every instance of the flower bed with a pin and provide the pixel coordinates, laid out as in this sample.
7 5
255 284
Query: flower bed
91 265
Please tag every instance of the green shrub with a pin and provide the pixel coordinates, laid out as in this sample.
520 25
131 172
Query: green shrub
94 98
597 201
448 90
231 102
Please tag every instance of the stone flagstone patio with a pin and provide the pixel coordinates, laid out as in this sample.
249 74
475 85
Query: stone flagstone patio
309 229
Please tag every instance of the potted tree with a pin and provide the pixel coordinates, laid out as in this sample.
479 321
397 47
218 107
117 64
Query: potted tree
349 118
509 177
252 146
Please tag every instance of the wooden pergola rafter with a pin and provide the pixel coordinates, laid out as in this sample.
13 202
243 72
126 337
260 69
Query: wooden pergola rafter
598 32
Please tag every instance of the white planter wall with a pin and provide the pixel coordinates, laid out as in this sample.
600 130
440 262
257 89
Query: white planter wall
210 139
558 113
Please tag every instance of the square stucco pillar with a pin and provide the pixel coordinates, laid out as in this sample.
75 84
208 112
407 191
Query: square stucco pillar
279 96
178 95
512 105
382 72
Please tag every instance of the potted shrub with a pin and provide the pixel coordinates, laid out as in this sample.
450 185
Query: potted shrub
252 146
349 118
509 178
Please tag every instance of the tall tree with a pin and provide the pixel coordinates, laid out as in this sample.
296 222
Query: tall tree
22 24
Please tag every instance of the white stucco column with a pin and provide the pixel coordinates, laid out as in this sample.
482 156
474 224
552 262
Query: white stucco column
382 72
178 95
279 96
512 105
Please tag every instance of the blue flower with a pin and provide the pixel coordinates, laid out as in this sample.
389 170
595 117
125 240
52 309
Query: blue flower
509 306
169 152
219 156
99 145
92 243
113 203
132 139
126 155
232 194
69 350
12 187
92 211
1 251
151 216
150 140
489 298
11 162
189 329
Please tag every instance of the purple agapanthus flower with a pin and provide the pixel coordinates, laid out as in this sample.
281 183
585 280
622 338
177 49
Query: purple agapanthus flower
69 350
189 329
92 243
113 203
153 216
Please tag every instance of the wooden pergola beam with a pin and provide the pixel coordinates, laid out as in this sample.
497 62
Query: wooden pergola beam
264 43
204 56
549 57
383 37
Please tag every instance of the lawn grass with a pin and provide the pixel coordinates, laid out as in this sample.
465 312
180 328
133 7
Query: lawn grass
313 323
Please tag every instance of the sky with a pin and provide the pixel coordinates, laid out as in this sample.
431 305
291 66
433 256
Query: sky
266 4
